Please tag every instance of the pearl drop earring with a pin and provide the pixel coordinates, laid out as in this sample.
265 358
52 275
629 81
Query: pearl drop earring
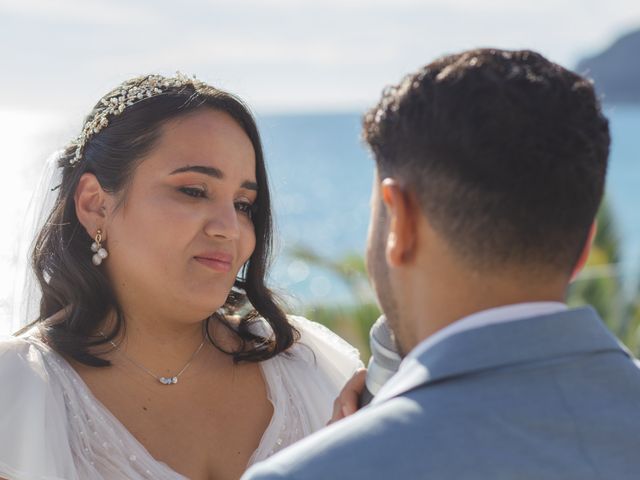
100 253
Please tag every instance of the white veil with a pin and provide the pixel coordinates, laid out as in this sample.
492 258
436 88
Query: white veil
26 295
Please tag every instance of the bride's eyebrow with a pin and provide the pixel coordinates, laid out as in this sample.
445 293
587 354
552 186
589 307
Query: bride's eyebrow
212 172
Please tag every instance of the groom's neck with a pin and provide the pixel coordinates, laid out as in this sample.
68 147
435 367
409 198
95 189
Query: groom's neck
440 295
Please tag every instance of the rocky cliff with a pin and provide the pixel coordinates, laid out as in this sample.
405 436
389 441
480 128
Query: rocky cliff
616 71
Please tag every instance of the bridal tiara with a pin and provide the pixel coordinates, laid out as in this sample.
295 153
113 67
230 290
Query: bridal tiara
129 93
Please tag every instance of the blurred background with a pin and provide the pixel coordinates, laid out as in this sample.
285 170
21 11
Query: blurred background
309 70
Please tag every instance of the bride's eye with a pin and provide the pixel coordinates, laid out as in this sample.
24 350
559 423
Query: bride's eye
246 208
197 192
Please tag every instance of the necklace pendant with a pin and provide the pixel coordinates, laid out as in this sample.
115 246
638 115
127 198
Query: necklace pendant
168 380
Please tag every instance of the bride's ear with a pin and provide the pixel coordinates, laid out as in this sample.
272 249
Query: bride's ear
92 204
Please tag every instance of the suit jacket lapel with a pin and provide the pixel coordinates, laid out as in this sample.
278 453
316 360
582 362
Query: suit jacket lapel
573 332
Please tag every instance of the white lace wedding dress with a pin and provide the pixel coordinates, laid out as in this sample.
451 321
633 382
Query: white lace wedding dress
53 428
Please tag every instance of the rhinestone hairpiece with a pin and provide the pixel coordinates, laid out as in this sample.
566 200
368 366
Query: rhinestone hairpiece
129 93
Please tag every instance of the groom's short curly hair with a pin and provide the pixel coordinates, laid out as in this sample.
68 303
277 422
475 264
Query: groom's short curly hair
506 151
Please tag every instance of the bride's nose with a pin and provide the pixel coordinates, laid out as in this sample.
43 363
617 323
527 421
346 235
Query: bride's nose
223 222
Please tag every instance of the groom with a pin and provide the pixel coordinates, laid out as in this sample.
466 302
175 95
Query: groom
490 166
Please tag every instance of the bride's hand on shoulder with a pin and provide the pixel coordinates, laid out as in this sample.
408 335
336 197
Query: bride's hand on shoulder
347 402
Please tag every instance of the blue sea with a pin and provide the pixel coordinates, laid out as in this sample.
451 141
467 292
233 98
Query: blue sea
321 176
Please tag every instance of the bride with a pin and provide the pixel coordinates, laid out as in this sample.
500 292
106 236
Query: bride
158 351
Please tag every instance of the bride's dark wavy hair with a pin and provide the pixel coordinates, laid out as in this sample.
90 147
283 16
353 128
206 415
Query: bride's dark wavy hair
81 295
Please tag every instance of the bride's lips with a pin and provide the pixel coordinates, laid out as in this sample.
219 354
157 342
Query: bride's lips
218 261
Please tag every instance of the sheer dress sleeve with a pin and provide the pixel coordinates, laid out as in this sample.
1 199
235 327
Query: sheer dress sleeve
34 442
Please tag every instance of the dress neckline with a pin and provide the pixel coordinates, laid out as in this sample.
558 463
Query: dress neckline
82 385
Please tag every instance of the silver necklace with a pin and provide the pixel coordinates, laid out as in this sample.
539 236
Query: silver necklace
163 380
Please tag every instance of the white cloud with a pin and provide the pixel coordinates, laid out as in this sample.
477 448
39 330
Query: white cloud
90 11
278 51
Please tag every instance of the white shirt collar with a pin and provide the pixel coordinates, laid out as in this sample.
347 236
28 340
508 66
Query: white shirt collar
502 314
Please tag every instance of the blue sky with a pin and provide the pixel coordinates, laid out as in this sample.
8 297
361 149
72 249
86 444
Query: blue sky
279 55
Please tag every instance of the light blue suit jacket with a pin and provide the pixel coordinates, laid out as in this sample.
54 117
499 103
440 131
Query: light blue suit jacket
550 397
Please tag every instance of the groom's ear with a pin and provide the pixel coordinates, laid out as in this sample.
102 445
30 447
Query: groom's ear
586 250
402 208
